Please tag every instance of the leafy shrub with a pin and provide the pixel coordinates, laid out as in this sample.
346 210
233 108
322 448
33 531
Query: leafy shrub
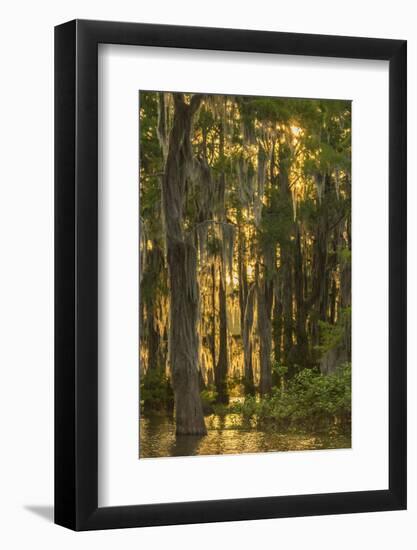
156 392
208 399
311 400
331 335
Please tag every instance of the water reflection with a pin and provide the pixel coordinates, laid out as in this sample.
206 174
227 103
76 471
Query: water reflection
228 434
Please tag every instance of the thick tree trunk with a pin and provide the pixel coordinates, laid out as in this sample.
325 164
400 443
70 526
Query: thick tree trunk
346 300
264 302
243 281
182 269
213 318
184 339
264 328
286 258
153 266
287 307
222 363
333 296
318 299
277 320
301 333
346 279
246 303
153 340
247 341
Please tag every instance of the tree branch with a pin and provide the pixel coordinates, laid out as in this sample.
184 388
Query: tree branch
196 102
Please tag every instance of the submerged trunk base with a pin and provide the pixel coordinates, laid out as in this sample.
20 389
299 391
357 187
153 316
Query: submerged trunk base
189 416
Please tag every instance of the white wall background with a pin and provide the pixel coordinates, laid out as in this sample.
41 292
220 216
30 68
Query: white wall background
26 273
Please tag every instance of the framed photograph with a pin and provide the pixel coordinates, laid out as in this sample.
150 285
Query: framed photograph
230 253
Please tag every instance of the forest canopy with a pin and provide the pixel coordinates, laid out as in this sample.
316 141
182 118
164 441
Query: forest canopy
245 253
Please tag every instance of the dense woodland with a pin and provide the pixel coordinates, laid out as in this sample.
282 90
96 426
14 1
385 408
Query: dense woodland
245 254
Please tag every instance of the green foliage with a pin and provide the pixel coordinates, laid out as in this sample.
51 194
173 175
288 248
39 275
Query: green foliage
209 395
277 221
155 392
323 395
205 119
150 198
311 400
235 385
150 151
280 370
152 283
345 256
331 335
151 166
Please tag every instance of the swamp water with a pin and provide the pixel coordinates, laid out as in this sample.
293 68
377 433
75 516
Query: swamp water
229 434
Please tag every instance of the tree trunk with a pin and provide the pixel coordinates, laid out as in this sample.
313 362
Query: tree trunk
247 341
222 363
154 263
287 306
243 281
153 340
277 320
264 329
286 256
246 298
182 270
333 296
213 317
301 333
318 299
346 299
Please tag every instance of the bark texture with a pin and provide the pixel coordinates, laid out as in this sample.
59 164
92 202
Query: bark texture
182 269
222 363
247 341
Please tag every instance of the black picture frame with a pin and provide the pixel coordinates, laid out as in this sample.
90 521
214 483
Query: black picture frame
76 272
